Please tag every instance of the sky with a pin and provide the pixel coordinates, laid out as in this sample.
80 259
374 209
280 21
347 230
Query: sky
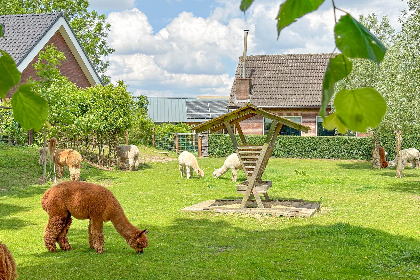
191 48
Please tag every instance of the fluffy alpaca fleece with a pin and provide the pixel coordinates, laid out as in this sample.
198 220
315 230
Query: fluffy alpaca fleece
188 163
86 201
408 155
129 153
43 154
7 264
65 157
233 163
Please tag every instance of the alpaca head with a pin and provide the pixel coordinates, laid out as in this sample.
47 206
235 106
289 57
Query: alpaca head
139 241
215 173
200 173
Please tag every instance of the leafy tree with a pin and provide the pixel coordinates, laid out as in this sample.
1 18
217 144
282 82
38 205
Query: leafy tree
397 78
90 27
355 109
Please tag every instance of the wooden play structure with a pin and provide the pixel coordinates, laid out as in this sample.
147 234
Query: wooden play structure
254 158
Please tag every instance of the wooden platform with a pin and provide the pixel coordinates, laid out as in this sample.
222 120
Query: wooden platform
285 208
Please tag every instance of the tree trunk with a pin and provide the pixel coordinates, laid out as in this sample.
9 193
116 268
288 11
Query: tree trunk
376 161
398 143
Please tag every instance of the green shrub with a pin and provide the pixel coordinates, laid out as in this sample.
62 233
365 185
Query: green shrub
220 145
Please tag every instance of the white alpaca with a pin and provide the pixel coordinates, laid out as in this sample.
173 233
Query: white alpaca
43 153
233 163
408 155
130 153
188 163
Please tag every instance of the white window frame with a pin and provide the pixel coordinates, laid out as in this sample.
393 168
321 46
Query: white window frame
286 117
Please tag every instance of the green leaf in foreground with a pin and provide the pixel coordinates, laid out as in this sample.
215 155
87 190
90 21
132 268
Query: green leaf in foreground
354 40
1 30
29 109
331 122
245 5
293 9
9 74
338 68
360 108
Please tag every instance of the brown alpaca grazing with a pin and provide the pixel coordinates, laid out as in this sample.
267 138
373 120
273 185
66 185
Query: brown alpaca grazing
7 264
86 201
65 157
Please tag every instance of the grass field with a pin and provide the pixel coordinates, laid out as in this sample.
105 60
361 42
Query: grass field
368 226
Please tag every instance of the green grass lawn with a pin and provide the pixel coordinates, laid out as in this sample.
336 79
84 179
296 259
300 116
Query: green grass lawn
368 226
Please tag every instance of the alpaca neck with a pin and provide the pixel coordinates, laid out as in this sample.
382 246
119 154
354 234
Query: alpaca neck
123 226
222 170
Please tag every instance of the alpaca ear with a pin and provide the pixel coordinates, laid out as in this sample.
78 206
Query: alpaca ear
144 231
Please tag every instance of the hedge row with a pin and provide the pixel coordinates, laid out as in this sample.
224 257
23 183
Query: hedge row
220 145
340 147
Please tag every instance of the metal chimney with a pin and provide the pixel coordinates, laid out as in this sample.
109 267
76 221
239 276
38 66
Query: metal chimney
244 56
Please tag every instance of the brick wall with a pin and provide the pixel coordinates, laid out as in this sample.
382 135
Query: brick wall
69 68
243 88
253 126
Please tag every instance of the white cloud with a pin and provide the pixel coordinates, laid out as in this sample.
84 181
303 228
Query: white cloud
189 56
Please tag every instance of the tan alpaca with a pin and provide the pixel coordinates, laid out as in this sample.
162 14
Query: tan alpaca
43 154
65 157
86 201
7 264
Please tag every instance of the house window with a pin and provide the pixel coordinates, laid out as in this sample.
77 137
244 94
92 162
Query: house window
285 130
321 131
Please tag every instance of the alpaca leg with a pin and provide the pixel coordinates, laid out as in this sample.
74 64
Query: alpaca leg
189 173
90 235
130 163
53 228
136 163
97 235
60 170
234 174
182 170
62 239
74 173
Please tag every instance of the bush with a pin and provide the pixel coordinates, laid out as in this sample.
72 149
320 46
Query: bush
220 145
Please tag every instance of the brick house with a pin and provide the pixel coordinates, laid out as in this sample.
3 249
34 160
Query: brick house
288 85
24 36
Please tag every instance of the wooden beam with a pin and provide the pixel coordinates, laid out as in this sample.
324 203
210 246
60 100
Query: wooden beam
271 131
241 134
231 134
271 143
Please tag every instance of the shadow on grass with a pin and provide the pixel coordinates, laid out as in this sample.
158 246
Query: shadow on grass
408 187
207 249
7 210
392 173
355 165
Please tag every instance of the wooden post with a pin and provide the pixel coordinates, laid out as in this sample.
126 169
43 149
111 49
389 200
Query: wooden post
176 143
241 134
153 136
231 134
200 145
30 137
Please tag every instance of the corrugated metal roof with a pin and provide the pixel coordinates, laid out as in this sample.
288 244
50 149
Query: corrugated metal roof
161 109
171 110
